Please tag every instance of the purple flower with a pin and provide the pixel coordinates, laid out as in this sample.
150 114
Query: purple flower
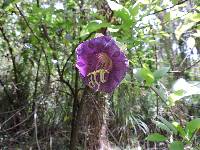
101 64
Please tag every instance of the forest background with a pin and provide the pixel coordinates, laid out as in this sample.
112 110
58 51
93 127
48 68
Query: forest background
156 106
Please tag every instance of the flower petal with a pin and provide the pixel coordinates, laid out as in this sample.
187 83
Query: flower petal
87 56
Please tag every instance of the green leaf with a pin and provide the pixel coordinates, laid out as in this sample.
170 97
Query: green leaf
179 92
180 130
156 137
174 2
94 26
167 17
162 126
176 145
66 118
147 75
158 74
190 20
134 9
193 126
175 96
123 13
168 124
194 17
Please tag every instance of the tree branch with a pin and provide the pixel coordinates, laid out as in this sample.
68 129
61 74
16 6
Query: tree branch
192 65
6 92
45 33
179 3
13 60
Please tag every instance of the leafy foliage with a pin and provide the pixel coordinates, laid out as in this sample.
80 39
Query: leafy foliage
41 91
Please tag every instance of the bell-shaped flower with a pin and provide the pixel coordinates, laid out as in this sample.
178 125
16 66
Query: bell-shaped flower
101 63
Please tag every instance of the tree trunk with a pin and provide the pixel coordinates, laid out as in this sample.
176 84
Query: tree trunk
95 121
91 121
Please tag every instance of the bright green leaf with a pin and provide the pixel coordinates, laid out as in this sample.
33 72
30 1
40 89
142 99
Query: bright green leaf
147 75
158 8
190 20
176 145
94 26
134 9
167 17
156 137
123 13
194 17
113 29
180 130
174 2
125 16
179 92
193 126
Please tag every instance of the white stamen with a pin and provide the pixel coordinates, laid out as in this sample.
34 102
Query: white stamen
91 83
93 78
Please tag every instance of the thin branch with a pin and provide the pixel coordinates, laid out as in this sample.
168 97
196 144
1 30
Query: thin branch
8 112
185 69
37 75
11 117
160 96
179 3
36 129
68 84
189 67
38 39
17 124
114 138
165 21
73 52
12 58
27 23
45 33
